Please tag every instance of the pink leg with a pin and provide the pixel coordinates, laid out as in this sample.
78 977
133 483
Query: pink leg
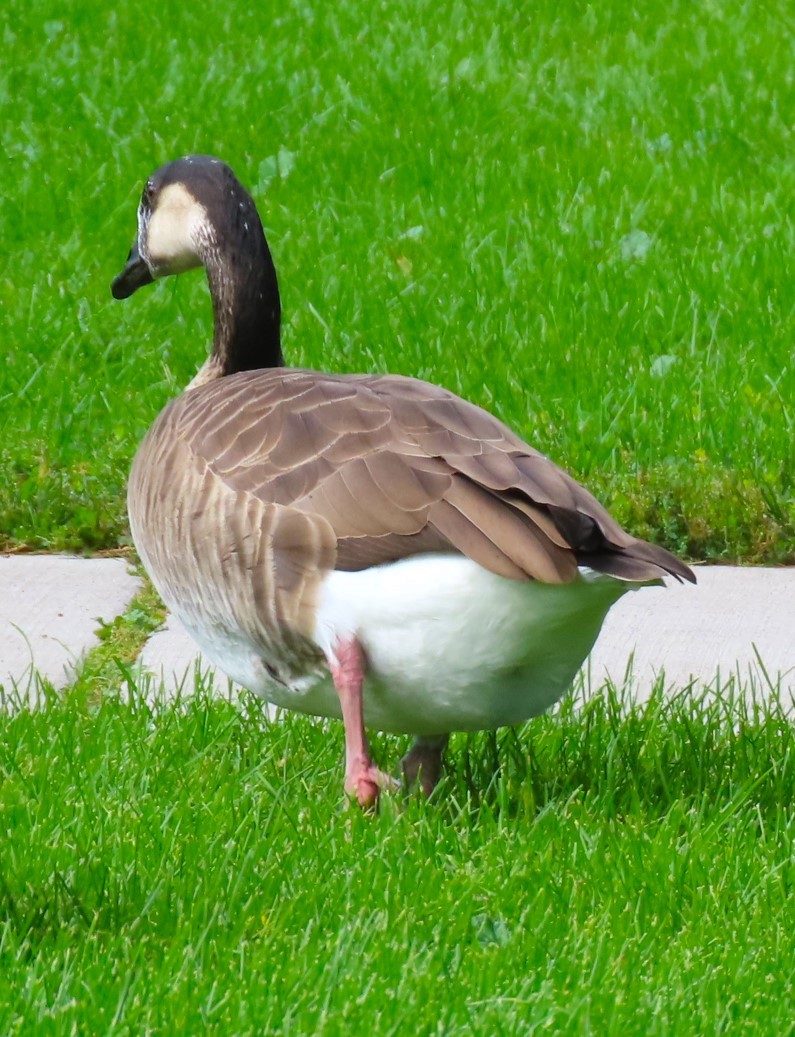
362 779
423 762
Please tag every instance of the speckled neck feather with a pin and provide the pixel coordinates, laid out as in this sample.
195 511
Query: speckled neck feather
246 309
242 280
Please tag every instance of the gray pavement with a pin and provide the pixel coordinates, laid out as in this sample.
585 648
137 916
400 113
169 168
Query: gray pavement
722 628
51 607
176 666
735 623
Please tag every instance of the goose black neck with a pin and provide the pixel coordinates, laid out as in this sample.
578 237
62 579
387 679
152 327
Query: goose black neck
245 294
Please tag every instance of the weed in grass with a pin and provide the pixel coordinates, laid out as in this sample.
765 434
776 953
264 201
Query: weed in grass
120 643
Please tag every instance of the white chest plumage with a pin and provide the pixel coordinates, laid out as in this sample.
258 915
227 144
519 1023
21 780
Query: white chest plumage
449 645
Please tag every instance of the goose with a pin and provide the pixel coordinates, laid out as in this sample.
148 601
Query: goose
370 547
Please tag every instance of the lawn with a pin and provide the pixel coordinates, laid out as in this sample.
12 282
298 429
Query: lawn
192 869
578 216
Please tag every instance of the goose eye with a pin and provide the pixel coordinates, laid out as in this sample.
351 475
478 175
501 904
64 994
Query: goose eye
148 193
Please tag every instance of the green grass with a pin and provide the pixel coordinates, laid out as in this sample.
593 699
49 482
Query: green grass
192 869
576 215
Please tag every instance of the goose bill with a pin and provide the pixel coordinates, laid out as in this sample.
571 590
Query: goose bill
134 275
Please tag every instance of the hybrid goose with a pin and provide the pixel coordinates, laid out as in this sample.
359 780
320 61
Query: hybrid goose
365 546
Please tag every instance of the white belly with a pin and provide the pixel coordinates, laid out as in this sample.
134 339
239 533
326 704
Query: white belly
449 645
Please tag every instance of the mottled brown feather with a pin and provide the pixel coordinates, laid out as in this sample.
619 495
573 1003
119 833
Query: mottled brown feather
367 469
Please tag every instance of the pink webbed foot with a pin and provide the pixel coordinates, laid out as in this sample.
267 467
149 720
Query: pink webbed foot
362 779
365 783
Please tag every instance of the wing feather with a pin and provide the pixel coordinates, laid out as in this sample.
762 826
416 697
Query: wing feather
395 466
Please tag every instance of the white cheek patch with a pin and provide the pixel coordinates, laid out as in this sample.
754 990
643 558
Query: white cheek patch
173 230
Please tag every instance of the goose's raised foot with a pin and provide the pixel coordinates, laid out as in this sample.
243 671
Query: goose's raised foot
364 783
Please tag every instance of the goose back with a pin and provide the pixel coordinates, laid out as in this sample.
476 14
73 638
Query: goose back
284 475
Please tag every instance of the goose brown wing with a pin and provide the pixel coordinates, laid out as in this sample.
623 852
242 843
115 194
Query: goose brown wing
397 466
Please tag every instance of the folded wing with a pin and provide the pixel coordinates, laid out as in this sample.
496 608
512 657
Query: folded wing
396 466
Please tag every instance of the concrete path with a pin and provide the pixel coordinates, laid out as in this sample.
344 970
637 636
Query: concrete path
51 607
176 665
720 629
49 610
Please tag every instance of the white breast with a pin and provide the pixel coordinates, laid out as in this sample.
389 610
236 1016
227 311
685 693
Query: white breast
449 645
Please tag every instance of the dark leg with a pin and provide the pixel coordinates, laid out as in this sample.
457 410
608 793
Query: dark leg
423 762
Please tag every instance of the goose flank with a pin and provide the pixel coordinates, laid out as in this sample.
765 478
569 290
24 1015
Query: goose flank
370 547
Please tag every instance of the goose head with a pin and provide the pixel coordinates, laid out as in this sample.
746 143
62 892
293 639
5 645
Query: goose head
194 212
